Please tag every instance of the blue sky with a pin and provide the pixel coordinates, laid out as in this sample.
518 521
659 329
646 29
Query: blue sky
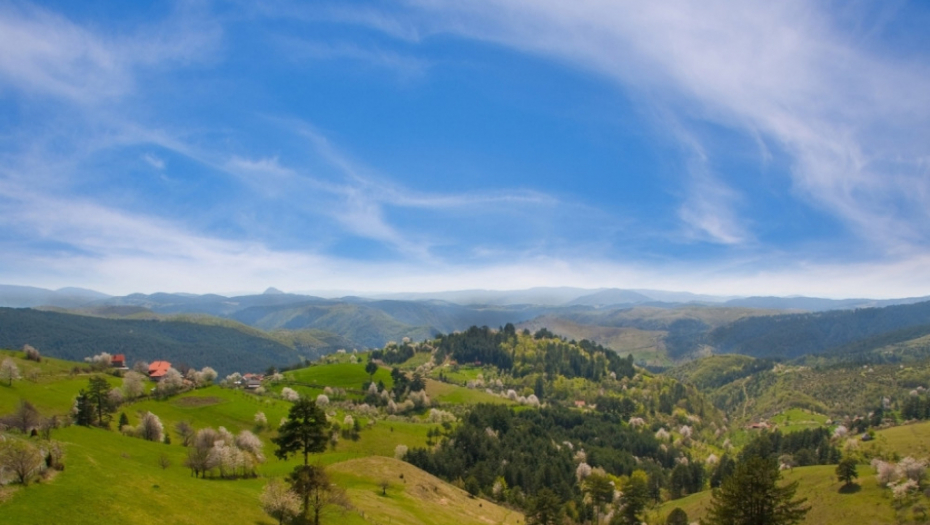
737 148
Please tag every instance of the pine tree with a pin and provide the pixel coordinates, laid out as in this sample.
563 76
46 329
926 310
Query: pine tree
98 391
83 410
545 509
752 496
304 432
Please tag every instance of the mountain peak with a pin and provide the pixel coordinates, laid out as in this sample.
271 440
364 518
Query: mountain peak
273 291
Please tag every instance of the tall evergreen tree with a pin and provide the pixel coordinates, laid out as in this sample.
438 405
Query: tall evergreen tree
304 432
752 496
545 509
83 410
97 396
633 499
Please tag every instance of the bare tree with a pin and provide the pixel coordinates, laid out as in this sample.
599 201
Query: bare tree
9 371
21 458
320 495
186 431
25 418
163 461
198 460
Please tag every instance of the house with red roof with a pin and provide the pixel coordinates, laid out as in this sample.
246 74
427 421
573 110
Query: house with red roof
118 361
158 369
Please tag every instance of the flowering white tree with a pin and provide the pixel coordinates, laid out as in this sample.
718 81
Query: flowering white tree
911 468
440 416
582 471
885 472
208 375
150 428
249 444
9 372
133 385
31 353
171 383
289 394
400 451
260 420
101 360
115 397
419 399
279 502
322 400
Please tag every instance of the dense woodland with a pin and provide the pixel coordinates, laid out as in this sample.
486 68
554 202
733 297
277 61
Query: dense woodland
791 336
552 356
196 345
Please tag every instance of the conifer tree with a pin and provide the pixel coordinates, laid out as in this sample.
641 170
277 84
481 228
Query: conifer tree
752 496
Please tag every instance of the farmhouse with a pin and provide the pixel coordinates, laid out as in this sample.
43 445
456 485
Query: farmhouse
158 369
118 361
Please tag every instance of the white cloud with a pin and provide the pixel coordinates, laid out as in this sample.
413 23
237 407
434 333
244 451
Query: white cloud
154 161
856 122
44 52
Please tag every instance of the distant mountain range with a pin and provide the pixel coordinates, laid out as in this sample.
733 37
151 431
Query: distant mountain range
27 297
658 327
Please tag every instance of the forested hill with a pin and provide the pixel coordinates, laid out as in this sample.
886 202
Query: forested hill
794 335
75 337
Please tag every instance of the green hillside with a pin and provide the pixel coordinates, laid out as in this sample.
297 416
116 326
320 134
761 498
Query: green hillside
501 416
75 337
867 502
110 477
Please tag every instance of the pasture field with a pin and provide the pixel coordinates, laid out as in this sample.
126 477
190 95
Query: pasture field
413 497
866 504
795 419
341 375
447 393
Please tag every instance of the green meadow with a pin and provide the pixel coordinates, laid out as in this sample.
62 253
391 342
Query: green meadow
109 477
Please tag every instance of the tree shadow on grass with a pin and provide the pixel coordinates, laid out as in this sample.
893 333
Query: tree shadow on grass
850 489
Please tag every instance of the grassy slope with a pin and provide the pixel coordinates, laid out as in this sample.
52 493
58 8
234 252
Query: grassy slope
457 395
52 390
415 499
871 504
906 440
341 375
117 478
114 479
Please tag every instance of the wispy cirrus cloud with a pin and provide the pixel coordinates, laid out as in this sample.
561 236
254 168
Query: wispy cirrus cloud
853 118
46 53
